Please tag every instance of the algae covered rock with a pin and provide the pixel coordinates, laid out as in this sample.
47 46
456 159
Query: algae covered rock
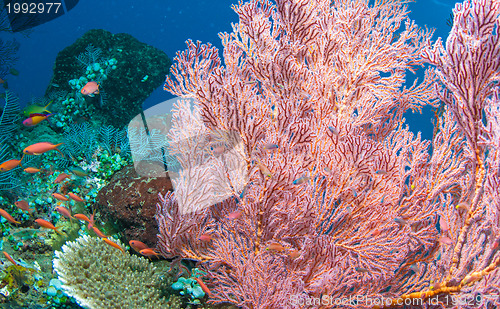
129 200
127 72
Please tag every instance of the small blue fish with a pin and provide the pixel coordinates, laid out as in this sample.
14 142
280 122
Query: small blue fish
361 269
354 192
400 221
414 267
264 170
270 146
333 130
244 191
301 180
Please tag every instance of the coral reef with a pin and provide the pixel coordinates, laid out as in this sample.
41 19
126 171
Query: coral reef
100 276
94 146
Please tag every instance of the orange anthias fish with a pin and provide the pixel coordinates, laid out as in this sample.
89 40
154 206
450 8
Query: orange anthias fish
275 247
48 225
31 170
60 197
97 231
23 205
293 254
234 215
445 240
137 245
82 217
75 197
64 211
203 286
61 177
9 258
9 218
90 89
39 148
149 252
35 119
113 244
10 164
205 237
463 206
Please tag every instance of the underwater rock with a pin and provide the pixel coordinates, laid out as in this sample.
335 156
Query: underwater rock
127 71
129 202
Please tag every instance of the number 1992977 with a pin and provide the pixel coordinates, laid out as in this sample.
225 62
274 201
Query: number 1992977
33 8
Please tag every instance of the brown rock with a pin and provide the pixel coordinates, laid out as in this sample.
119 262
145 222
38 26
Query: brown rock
129 203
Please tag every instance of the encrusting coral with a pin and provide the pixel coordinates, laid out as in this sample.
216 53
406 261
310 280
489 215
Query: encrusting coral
100 276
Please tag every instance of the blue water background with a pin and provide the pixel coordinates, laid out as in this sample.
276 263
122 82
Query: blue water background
165 25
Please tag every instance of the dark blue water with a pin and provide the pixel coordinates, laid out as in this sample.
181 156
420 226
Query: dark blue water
165 25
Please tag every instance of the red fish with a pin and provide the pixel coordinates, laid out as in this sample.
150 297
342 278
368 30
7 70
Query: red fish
205 237
31 170
149 252
203 286
61 177
217 151
445 240
75 197
301 180
270 146
23 205
98 232
82 217
113 244
264 170
10 164
293 254
463 206
64 211
234 215
400 221
35 119
60 197
443 225
48 225
90 89
137 245
9 218
39 148
9 258
275 247
361 270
